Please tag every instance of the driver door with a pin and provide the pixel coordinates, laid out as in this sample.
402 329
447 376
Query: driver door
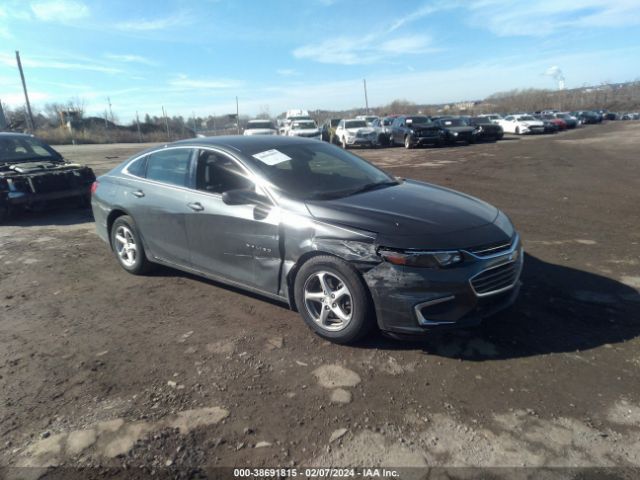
236 242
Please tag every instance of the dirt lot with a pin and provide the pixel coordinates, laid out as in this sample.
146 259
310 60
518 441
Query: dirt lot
98 367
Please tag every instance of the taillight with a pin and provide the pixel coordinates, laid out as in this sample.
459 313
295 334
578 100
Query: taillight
94 187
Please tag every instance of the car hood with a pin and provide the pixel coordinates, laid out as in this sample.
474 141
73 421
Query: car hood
460 129
260 131
531 123
416 215
34 166
362 130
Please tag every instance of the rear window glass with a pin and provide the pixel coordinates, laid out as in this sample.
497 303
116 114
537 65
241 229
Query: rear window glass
169 166
138 167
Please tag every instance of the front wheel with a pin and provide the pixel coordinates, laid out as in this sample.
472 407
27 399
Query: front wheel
127 246
407 142
333 300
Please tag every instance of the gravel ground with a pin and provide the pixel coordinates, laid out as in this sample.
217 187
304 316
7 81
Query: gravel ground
172 374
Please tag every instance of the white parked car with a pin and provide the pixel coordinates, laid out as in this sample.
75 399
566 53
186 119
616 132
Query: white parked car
304 128
521 124
260 127
493 117
368 118
352 132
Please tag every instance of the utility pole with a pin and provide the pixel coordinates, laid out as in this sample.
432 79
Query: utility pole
3 119
26 95
195 128
138 124
166 122
237 116
110 111
366 99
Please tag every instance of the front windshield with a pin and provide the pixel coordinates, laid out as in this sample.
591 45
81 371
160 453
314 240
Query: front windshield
481 120
334 122
526 118
304 125
355 124
317 171
251 125
19 148
417 120
453 122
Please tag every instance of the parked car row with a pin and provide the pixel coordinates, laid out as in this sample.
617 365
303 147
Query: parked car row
411 131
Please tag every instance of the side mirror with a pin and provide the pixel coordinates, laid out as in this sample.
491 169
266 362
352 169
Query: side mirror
244 196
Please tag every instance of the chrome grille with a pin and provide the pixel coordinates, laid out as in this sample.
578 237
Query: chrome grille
495 279
491 249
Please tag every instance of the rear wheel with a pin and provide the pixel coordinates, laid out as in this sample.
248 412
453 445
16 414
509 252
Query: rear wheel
333 300
127 246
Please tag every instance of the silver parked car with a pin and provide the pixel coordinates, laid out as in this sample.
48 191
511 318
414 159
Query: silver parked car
307 223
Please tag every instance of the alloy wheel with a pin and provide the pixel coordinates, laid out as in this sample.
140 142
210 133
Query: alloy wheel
125 246
328 300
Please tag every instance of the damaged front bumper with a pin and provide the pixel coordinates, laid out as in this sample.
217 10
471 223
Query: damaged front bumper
413 300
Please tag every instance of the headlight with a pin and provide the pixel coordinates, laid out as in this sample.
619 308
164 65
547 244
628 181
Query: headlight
421 259
477 130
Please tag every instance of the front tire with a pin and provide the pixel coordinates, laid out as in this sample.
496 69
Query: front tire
407 143
127 246
333 299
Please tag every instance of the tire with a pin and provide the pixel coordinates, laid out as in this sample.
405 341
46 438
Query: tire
407 142
131 256
349 318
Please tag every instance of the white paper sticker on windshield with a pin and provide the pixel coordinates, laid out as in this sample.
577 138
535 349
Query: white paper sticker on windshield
271 157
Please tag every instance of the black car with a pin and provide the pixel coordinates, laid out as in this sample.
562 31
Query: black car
486 129
307 223
416 131
457 130
549 126
33 174
587 117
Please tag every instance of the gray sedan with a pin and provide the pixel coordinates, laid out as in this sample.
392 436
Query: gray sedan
304 222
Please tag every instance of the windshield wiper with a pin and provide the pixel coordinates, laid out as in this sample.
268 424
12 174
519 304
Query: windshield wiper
372 186
346 193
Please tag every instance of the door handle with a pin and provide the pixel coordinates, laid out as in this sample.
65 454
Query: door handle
138 193
195 206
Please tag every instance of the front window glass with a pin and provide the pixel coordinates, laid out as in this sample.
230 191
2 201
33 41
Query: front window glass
170 166
19 148
303 125
317 171
418 119
218 173
251 125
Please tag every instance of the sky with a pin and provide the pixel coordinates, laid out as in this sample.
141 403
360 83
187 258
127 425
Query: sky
196 56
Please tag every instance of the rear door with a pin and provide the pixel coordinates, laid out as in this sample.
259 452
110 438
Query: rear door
157 201
236 242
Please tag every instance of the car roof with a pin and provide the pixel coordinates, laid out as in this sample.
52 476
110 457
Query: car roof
241 143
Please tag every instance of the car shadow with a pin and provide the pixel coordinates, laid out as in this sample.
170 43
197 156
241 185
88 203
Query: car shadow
559 309
52 216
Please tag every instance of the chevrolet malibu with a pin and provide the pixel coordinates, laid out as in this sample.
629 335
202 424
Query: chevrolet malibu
348 246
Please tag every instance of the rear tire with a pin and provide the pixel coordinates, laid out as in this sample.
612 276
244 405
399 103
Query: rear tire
127 246
333 299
